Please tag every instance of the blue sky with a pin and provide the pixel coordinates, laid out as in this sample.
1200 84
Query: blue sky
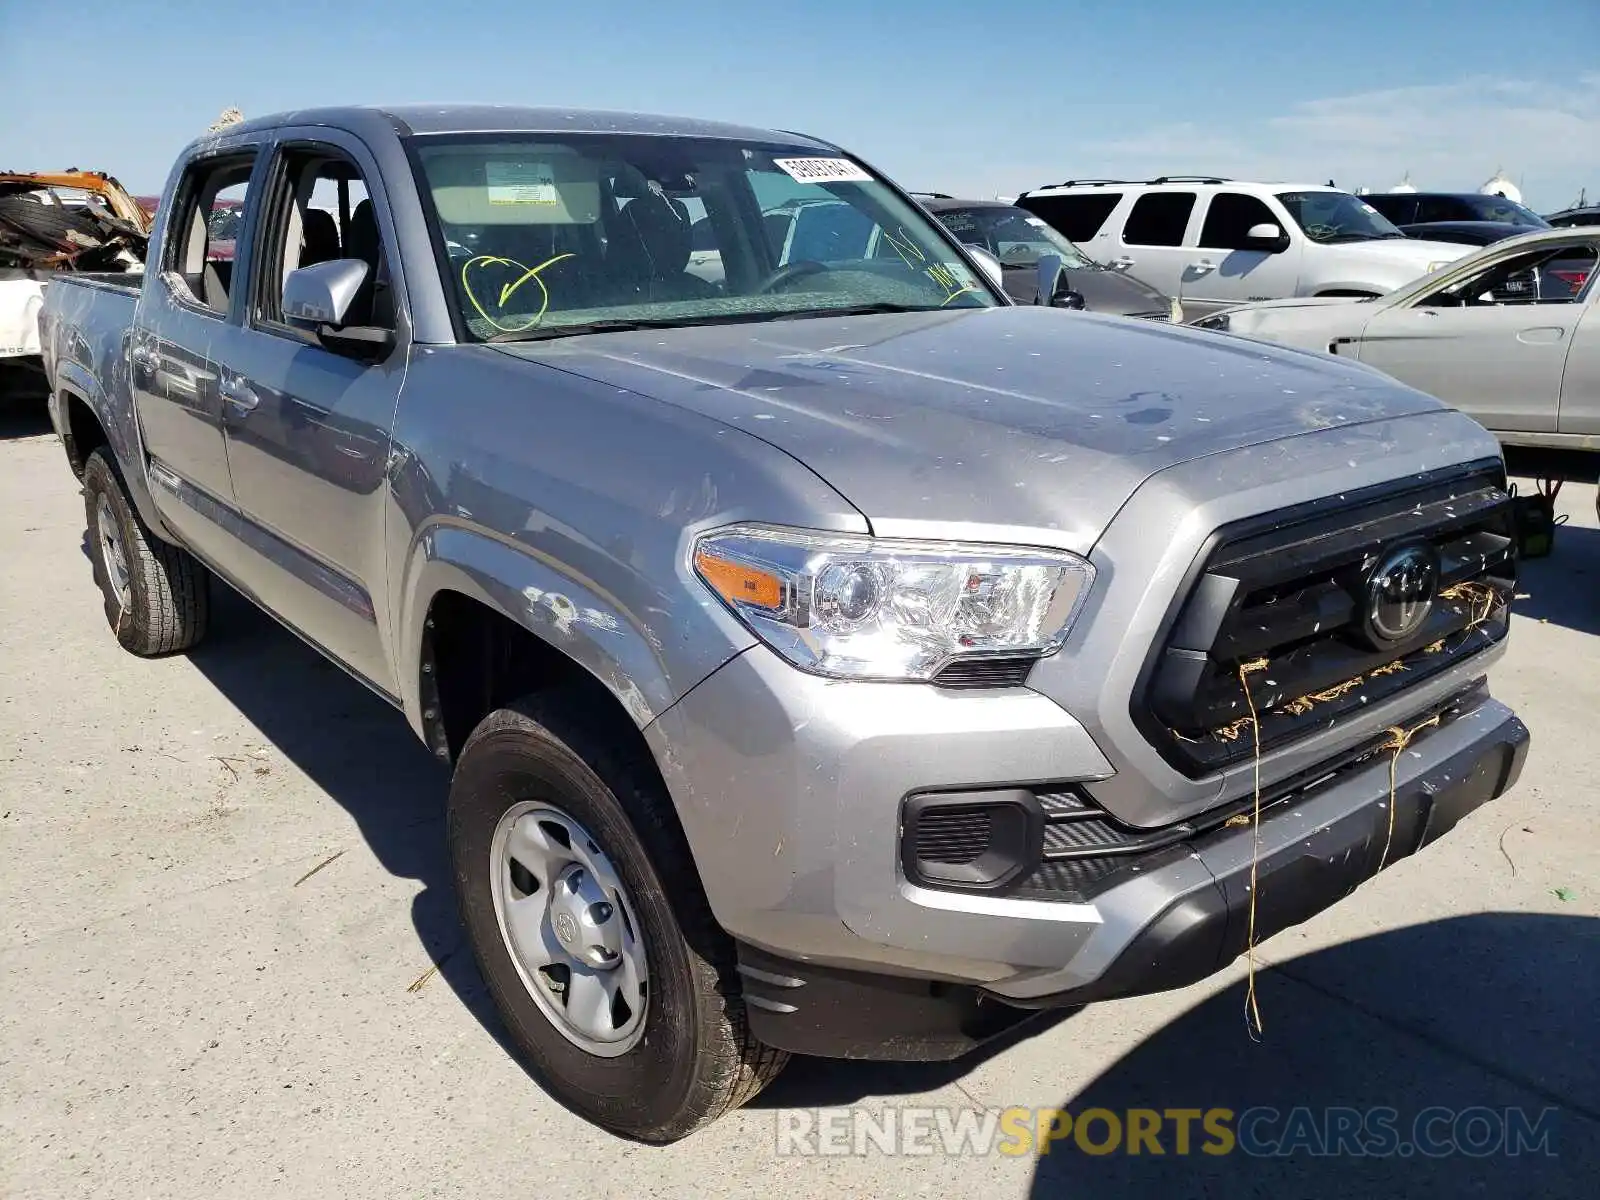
970 97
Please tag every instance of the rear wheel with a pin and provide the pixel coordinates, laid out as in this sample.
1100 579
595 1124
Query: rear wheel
156 594
592 931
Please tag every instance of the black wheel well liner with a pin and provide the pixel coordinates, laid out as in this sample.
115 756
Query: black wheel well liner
475 659
83 432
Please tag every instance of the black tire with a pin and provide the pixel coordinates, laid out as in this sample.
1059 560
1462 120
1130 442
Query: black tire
697 1059
168 596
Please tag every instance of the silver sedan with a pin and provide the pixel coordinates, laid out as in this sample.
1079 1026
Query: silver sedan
1510 335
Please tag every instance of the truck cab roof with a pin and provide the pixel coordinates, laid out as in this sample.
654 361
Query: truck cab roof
423 119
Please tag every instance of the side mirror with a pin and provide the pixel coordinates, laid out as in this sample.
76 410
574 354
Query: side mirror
1267 236
1053 287
322 294
990 264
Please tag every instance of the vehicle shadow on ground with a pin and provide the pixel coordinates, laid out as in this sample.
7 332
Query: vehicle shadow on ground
23 419
1563 588
1485 1012
361 752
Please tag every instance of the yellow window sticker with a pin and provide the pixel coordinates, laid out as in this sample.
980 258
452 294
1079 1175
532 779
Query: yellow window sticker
822 170
521 183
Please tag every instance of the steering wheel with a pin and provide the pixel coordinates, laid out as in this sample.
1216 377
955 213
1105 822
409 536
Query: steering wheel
788 274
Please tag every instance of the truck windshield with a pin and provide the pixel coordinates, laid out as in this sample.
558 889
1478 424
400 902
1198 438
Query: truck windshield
546 235
1014 236
1330 217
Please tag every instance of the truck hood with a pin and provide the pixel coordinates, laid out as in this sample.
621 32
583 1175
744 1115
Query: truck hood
1011 423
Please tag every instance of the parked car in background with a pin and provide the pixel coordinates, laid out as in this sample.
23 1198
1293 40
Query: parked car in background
1510 335
1568 217
1466 233
1019 239
1427 208
1212 242
70 221
838 658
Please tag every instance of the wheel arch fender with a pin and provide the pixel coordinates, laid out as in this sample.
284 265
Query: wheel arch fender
576 619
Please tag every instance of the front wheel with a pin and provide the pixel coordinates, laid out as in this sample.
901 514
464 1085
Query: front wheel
593 933
157 597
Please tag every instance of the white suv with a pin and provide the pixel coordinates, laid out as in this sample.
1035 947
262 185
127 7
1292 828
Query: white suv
1215 242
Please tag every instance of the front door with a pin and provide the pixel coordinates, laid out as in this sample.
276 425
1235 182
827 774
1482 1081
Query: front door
1493 344
1227 268
308 418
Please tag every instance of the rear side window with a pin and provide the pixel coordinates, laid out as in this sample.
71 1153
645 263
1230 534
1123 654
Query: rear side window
207 227
1158 219
1230 217
1078 217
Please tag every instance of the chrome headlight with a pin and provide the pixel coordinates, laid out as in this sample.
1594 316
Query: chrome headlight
876 608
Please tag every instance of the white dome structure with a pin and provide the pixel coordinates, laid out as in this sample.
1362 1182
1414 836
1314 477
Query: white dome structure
1403 187
1501 186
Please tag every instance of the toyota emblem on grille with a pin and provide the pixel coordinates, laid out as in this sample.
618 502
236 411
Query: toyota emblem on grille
1400 594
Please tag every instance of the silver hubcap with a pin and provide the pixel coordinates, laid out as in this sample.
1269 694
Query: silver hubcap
112 549
570 928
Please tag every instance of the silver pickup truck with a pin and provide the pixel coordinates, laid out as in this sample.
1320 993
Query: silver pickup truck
833 656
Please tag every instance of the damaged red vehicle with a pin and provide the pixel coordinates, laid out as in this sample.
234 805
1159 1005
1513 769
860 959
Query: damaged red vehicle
75 221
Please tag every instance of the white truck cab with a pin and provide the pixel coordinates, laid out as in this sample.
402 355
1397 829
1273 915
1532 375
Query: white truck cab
1215 242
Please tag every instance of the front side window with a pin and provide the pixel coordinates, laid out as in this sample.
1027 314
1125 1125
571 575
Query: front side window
1159 219
1548 275
546 235
321 212
1230 218
1335 217
1012 235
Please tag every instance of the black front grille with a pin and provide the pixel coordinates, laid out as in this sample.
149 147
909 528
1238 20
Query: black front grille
985 673
1283 600
953 835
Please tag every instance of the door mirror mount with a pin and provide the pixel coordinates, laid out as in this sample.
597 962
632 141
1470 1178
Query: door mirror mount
1267 236
1054 288
992 269
321 294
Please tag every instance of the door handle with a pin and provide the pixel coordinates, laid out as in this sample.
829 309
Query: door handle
1203 267
145 358
239 394
1120 264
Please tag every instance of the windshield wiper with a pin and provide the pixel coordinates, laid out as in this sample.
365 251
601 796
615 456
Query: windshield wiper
547 332
853 310
1362 237
541 333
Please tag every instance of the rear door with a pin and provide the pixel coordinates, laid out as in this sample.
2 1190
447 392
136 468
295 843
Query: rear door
1226 269
183 315
308 420
1150 243
1488 343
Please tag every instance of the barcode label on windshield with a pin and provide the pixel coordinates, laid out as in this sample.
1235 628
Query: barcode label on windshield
822 170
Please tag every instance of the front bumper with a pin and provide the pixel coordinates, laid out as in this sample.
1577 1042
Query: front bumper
790 788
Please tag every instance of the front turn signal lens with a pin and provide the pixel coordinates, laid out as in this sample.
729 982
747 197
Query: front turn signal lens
739 583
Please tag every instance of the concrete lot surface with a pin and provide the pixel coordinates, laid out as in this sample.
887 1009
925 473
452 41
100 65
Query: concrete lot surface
191 1008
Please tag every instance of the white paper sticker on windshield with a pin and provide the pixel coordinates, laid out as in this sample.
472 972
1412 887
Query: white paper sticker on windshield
521 183
1034 221
822 170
